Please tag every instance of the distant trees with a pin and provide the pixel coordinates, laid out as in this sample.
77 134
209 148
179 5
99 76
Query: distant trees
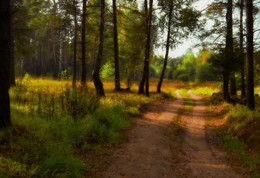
179 19
5 57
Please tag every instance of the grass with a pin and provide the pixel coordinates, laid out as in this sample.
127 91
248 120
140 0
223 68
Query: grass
54 126
240 137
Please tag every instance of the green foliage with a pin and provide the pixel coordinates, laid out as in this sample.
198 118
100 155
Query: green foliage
239 136
106 124
107 71
240 151
61 163
186 71
240 118
78 102
13 169
205 73
234 145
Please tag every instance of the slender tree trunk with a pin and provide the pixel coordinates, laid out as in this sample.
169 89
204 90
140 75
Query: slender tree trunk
148 55
241 46
250 55
5 57
75 45
167 50
83 44
145 79
142 82
233 85
116 53
12 59
96 75
228 50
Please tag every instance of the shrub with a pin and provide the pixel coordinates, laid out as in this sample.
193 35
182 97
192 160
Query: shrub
60 162
10 168
106 123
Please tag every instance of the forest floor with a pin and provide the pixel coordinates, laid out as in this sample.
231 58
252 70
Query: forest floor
170 140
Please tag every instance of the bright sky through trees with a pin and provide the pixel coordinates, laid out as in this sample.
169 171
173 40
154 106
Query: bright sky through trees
188 44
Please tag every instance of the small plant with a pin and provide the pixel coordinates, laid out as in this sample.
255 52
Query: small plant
60 163
106 124
13 169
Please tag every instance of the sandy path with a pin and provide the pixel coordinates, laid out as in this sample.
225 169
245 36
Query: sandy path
199 158
153 152
148 153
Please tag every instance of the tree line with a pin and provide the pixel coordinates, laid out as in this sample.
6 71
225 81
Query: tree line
82 39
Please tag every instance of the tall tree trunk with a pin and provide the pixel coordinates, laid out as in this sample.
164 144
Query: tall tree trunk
228 50
148 55
233 85
145 79
12 63
116 58
250 55
75 45
96 75
142 82
241 46
83 44
167 49
5 57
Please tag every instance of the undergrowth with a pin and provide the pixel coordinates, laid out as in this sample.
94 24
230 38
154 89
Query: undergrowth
240 136
53 123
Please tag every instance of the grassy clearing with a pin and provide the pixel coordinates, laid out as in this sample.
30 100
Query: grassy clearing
54 126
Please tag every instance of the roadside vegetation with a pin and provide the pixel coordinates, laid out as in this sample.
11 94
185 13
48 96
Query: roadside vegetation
238 132
55 128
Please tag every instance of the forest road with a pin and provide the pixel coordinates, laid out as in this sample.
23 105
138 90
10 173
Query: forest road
198 158
154 151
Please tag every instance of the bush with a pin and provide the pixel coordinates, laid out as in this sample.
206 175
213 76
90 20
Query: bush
60 162
10 168
106 124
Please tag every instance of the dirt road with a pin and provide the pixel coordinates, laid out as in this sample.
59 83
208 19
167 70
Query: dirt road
199 158
151 151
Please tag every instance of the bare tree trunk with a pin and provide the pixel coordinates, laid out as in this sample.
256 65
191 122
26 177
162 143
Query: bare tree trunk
250 55
167 50
116 58
145 79
83 44
228 50
241 45
5 57
142 82
12 63
96 75
233 85
75 45
148 55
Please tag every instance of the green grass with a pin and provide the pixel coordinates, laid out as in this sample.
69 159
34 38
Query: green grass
241 154
239 134
54 126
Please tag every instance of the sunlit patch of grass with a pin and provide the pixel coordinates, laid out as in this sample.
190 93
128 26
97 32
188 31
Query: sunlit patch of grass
207 91
10 168
52 122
